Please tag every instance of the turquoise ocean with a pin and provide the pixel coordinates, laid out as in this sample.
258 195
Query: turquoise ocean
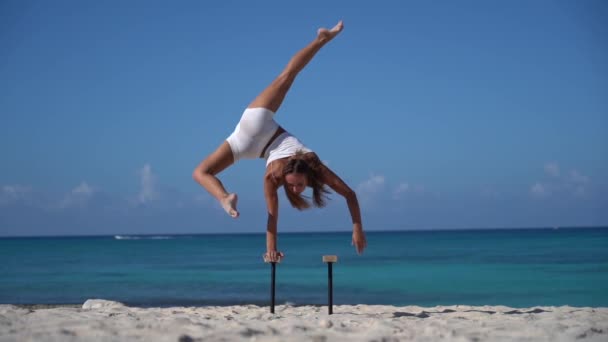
512 267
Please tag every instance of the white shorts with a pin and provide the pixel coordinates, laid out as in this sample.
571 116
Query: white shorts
252 133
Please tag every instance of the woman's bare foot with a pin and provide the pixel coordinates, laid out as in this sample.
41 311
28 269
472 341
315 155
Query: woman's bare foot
229 204
326 35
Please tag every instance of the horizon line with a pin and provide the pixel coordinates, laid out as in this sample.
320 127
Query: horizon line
304 232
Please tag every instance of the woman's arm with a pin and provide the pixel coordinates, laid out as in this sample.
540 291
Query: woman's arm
333 181
272 203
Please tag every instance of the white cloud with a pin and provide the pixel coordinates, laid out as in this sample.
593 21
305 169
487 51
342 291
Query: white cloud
578 178
16 191
560 183
148 190
539 190
83 189
84 194
13 193
374 188
552 169
78 197
578 183
401 189
368 189
372 185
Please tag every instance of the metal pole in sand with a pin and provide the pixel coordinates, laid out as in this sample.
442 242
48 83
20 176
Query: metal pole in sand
273 266
330 259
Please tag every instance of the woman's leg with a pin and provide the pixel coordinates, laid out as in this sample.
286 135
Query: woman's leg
272 97
205 173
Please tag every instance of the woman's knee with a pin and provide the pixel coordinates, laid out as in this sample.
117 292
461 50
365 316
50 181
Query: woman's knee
216 162
201 171
197 173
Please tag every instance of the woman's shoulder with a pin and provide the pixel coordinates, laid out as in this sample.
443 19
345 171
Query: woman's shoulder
276 164
274 171
312 159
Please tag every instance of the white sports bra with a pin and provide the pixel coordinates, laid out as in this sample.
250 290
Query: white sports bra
285 145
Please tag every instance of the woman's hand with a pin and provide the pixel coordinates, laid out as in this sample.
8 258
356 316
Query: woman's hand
273 256
359 240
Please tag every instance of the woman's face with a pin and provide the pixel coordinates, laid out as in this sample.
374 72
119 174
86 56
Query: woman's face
296 182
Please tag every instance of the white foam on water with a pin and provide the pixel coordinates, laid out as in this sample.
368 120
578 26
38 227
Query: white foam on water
135 237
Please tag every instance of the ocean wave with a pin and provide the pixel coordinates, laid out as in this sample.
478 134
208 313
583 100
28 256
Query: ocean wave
139 237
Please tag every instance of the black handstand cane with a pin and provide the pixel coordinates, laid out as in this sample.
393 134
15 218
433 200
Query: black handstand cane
273 266
330 259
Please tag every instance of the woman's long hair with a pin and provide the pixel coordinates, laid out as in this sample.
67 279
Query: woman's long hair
297 164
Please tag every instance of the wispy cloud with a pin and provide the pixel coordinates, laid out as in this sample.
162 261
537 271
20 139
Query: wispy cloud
148 191
372 185
578 178
78 197
27 205
368 189
578 183
539 190
400 190
15 193
560 183
552 169
377 188
153 193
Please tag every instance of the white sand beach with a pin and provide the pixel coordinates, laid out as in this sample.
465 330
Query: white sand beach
100 320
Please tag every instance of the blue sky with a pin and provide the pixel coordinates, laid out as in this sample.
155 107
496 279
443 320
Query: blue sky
440 114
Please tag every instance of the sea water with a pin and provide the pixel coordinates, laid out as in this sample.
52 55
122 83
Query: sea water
512 267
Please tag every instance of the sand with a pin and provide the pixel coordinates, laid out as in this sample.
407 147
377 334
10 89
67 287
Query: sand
100 320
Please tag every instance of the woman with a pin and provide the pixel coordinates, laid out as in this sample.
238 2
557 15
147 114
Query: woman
288 162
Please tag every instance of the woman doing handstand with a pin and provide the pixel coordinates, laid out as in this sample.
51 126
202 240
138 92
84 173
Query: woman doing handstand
289 163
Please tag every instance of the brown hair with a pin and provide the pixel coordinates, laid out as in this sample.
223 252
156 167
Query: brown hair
297 164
